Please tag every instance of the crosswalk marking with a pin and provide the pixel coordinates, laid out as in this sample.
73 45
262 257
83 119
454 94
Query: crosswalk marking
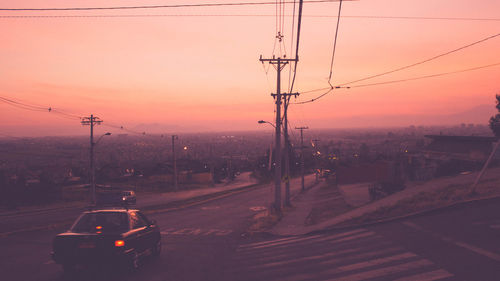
287 253
306 243
363 255
273 244
384 271
330 258
298 238
316 238
196 231
379 261
486 253
268 242
351 255
427 276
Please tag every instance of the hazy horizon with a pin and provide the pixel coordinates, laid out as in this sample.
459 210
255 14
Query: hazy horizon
200 70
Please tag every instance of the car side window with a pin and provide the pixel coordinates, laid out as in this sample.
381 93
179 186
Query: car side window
137 221
143 217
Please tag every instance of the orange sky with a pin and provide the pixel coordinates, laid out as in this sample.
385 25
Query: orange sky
203 73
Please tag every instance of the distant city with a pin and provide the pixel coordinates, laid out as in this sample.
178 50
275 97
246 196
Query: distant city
47 169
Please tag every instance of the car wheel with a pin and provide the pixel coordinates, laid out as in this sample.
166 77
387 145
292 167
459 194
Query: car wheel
156 250
134 261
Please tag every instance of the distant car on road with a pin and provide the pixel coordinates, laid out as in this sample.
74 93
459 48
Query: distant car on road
115 198
109 237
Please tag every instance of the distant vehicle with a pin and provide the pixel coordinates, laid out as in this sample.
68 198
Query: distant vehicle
115 198
107 237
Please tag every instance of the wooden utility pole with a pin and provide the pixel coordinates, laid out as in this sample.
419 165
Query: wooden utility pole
91 121
302 153
279 63
316 157
286 99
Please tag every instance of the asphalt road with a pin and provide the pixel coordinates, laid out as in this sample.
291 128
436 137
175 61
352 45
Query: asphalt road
205 242
15 222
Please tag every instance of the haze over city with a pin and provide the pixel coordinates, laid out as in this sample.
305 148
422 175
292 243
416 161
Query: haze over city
194 69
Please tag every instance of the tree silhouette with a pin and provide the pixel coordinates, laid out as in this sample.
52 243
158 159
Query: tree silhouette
495 120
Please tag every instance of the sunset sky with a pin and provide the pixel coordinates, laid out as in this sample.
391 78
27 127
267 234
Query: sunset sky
201 71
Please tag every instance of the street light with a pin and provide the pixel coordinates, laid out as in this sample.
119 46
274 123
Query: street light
99 139
263 122
271 147
92 166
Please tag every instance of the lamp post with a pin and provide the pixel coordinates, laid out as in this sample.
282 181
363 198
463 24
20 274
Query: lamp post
92 166
277 168
174 137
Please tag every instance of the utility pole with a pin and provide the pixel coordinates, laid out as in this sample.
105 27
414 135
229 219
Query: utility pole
279 63
212 165
286 99
302 153
174 137
315 141
91 121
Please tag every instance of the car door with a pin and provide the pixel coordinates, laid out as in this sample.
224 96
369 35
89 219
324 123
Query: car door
140 228
152 232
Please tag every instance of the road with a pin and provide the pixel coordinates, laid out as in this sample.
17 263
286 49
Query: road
205 242
15 222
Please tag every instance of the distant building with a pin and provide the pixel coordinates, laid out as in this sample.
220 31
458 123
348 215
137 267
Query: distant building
468 148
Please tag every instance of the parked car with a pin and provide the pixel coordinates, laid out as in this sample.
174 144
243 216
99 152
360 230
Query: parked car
110 237
115 198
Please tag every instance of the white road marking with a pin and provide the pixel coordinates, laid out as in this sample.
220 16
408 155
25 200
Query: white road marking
427 276
210 208
469 247
223 232
364 255
330 258
299 239
374 262
266 242
258 208
196 231
384 271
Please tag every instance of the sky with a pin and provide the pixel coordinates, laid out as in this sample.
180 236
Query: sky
198 69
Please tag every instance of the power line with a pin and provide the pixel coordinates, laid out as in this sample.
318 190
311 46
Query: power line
335 44
64 114
251 15
159 6
401 80
299 21
291 46
343 85
426 76
423 61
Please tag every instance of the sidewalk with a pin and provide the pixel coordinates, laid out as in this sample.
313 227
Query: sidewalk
295 222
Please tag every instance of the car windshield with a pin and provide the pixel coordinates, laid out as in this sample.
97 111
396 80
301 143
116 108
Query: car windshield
102 222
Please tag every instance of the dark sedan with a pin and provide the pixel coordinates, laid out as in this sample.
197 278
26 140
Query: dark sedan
114 237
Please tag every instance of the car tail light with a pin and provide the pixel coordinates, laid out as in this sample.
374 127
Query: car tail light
119 243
